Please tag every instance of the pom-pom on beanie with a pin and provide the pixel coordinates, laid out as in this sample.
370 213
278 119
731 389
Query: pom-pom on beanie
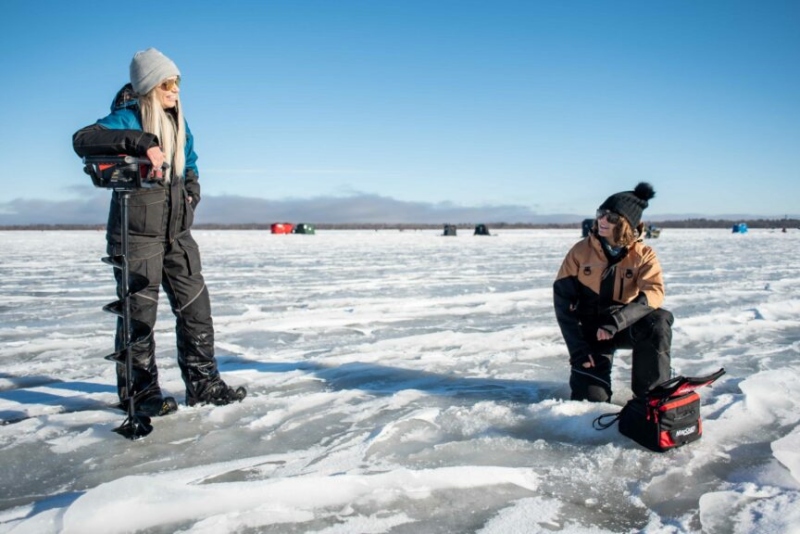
630 204
149 68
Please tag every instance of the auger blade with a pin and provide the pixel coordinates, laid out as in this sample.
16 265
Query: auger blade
140 332
136 283
114 261
117 357
114 307
135 427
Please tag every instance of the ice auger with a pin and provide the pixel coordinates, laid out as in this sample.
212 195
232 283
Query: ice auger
124 174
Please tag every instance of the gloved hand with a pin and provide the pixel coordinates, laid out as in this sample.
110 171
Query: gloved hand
584 360
588 361
606 332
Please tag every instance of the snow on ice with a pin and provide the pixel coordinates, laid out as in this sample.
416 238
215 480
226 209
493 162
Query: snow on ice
399 382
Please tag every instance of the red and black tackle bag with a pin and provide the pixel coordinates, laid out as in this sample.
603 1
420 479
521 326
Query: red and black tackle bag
666 418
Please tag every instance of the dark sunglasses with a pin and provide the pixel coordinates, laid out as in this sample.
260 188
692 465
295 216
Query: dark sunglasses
169 85
610 216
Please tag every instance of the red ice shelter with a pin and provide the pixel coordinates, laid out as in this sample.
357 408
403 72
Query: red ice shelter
282 228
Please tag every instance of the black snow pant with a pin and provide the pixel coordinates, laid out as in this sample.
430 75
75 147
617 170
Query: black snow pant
650 338
175 267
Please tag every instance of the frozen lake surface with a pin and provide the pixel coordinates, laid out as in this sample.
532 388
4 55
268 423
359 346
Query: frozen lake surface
400 382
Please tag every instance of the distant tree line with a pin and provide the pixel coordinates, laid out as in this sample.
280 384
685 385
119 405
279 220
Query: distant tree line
725 223
41 227
685 223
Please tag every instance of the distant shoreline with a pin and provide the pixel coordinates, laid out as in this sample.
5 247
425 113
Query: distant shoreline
687 223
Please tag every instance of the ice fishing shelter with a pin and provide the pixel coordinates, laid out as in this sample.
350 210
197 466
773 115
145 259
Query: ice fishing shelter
281 228
586 227
305 228
652 231
739 228
481 229
449 229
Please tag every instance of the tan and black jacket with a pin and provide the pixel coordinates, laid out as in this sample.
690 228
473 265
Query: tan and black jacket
593 290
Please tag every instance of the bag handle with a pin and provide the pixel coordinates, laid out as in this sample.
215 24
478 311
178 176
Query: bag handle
604 421
682 384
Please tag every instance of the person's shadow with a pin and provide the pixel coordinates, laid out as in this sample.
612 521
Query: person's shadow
385 380
23 391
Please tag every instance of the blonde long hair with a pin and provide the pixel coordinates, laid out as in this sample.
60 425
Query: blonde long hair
169 128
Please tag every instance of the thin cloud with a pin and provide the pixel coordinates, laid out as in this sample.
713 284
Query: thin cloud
92 208
363 208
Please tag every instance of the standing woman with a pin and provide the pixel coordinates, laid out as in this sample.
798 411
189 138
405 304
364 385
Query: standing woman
146 120
608 295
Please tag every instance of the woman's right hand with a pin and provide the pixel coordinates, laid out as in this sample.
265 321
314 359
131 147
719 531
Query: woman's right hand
603 334
156 157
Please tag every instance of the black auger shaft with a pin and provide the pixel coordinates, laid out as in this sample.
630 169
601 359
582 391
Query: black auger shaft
135 426
124 174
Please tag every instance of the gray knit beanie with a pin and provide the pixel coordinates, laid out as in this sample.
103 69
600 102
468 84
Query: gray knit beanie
149 68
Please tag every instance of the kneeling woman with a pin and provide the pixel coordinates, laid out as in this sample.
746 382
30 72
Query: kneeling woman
608 295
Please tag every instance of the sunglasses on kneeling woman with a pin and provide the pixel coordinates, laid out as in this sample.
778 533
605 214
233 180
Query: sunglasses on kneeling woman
610 216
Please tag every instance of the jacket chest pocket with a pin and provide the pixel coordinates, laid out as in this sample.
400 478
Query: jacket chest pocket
626 287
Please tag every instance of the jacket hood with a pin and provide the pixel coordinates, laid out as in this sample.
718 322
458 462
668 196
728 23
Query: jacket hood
125 98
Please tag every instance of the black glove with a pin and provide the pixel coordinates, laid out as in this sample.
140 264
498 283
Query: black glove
594 361
580 360
610 328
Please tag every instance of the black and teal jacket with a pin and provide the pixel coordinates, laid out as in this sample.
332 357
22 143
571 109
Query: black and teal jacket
160 212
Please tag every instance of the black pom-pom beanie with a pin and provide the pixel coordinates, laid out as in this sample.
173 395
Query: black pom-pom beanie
630 204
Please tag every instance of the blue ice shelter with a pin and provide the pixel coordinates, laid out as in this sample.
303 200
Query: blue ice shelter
739 228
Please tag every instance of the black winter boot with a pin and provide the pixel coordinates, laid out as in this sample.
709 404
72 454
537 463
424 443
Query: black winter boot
201 377
214 392
156 406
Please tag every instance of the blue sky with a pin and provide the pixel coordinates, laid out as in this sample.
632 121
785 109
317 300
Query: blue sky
523 108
